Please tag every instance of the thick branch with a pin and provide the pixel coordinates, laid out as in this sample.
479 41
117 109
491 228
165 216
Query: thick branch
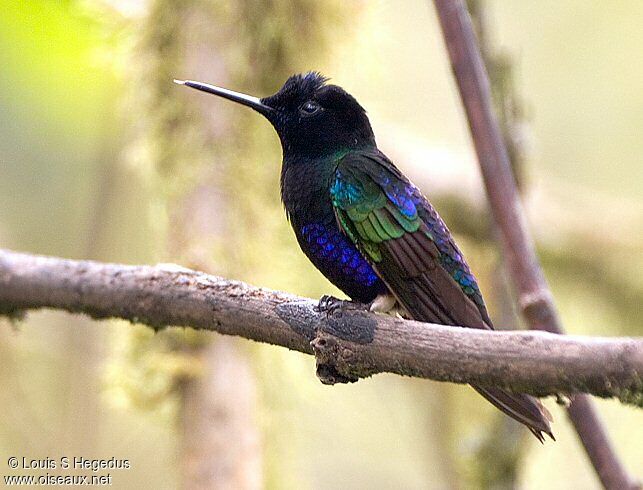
349 344
534 296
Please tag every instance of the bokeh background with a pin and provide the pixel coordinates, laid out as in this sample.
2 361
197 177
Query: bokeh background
102 157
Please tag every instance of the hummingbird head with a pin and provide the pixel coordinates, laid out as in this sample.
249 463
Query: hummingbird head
312 118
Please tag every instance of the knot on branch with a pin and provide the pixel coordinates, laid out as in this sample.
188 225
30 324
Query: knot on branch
338 335
333 360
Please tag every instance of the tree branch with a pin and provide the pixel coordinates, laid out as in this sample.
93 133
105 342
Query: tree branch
348 344
534 296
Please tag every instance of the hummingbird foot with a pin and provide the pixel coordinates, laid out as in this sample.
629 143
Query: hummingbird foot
330 305
344 319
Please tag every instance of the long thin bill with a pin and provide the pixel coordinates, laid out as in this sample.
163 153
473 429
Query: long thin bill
247 100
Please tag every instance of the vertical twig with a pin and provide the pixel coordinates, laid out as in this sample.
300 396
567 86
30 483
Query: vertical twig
533 293
499 456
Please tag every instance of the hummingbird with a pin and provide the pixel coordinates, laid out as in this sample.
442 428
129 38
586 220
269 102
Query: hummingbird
364 225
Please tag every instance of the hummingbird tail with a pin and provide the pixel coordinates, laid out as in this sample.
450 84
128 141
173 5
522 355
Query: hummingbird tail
524 408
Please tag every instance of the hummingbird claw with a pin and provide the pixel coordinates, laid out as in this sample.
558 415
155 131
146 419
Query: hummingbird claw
330 305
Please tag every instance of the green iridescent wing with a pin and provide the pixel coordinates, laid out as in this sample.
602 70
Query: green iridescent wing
411 249
405 240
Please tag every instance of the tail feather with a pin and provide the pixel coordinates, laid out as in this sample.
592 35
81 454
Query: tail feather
523 408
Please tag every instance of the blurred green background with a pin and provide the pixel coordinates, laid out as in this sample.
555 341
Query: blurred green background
102 157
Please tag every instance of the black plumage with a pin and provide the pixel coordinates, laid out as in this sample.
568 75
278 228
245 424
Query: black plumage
364 225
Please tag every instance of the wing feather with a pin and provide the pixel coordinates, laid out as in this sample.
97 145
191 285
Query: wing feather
411 249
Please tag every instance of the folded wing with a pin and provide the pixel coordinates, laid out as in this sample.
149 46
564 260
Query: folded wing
411 249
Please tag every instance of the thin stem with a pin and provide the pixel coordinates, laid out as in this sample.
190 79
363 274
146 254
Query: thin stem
534 296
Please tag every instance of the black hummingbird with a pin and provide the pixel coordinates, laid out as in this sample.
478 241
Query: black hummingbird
364 225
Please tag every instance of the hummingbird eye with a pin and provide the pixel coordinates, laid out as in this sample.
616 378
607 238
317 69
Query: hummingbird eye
309 108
